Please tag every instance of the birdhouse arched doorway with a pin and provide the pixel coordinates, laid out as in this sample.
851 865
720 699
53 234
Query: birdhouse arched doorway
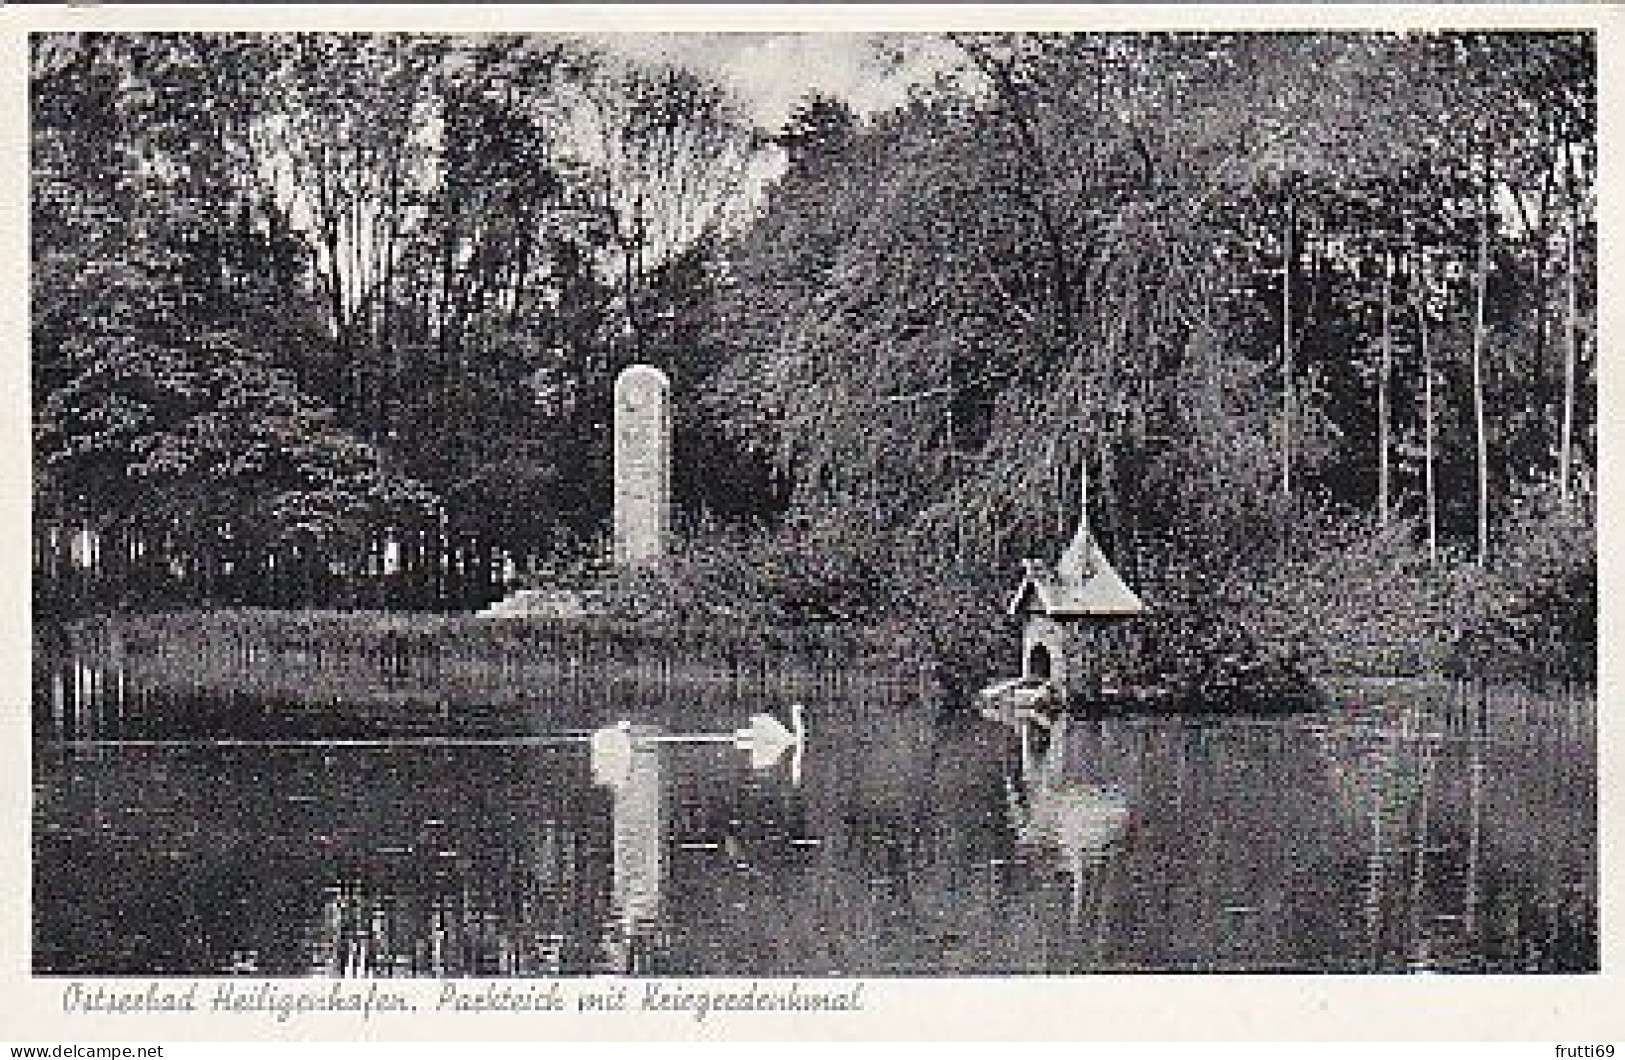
1040 664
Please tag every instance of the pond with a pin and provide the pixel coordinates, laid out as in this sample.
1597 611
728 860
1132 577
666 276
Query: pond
213 833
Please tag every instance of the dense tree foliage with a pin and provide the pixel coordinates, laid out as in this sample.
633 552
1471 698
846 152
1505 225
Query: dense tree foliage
328 292
1315 311
1205 267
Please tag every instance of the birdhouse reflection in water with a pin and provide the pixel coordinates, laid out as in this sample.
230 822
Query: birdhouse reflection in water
1060 813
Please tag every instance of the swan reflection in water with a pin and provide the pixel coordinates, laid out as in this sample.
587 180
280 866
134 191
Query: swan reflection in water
1060 814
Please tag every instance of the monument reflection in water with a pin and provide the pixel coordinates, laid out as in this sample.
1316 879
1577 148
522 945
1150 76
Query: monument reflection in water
628 764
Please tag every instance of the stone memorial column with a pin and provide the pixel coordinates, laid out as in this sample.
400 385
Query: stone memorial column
642 465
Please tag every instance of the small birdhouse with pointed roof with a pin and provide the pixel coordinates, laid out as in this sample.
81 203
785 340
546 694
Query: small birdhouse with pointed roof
1076 631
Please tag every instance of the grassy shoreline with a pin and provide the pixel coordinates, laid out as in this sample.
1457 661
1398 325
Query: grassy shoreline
381 659
433 657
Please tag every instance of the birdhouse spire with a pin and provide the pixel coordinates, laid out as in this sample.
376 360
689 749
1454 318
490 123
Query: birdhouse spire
1083 497
1078 561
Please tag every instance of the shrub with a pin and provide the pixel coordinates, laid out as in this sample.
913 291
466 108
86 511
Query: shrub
1534 609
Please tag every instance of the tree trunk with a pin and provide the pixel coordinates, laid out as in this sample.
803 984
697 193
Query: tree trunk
1571 343
1286 354
1482 283
1430 493
1383 377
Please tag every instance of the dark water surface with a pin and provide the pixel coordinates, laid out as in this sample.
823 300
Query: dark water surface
900 840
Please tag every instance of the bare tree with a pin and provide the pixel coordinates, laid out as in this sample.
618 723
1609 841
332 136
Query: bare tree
671 154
